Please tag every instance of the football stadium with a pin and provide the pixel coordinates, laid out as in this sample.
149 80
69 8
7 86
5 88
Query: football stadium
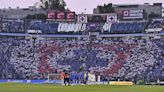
50 48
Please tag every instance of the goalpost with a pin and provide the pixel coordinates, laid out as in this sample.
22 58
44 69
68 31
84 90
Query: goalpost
54 78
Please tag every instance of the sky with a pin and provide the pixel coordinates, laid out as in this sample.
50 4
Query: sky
75 5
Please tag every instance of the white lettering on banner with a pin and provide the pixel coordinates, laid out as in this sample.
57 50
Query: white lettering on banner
133 14
107 26
136 11
154 30
83 28
68 28
133 17
65 27
136 14
59 27
77 27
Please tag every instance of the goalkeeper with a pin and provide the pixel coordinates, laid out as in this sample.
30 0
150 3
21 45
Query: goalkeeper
66 78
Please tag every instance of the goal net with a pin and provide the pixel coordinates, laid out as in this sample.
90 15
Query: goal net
54 78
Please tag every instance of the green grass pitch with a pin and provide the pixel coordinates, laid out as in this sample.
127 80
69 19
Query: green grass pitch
13 87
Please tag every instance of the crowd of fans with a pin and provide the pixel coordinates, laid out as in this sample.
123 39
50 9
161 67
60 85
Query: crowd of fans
12 26
27 58
157 23
122 59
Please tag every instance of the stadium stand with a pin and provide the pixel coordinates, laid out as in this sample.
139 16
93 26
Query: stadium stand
125 28
12 26
20 26
117 59
46 27
120 59
157 23
115 28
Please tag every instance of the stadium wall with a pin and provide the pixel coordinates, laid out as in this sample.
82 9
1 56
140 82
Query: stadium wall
32 81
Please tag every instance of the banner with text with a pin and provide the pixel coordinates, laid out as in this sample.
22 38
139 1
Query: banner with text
133 14
61 16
